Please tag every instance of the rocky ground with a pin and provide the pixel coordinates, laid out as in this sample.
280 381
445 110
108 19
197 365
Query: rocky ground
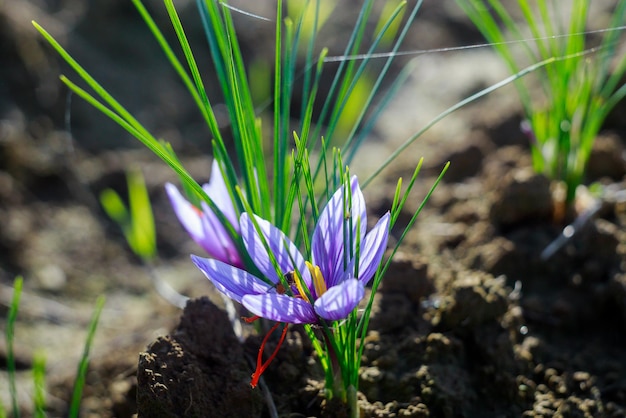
470 320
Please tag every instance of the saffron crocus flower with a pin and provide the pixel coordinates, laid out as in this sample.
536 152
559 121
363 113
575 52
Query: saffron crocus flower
203 225
328 287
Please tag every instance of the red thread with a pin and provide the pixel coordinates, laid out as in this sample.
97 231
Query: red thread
250 319
197 210
260 366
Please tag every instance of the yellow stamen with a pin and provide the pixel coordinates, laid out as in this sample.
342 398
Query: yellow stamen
318 280
298 282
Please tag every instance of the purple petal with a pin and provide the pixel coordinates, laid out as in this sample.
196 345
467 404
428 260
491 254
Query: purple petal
358 205
188 215
233 282
372 249
328 238
217 241
286 253
340 300
217 191
281 308
203 227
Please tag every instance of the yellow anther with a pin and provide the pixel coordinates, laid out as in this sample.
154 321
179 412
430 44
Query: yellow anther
298 282
318 280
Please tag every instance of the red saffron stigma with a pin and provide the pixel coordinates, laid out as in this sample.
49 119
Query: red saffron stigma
249 320
260 366
197 210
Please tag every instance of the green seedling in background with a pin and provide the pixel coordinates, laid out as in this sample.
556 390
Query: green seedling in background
578 89
137 224
260 76
83 365
10 336
39 361
352 110
136 220
388 11
313 16
39 381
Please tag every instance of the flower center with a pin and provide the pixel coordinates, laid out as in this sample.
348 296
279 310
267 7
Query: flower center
294 279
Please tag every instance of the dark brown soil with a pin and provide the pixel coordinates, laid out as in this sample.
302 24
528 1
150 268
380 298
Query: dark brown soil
199 371
470 320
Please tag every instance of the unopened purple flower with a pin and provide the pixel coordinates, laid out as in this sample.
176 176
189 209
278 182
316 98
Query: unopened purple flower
330 286
203 225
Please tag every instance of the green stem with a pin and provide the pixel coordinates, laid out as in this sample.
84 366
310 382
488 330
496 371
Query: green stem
353 403
336 385
10 335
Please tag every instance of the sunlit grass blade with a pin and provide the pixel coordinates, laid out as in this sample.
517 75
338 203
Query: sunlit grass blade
353 143
281 110
363 133
361 76
114 105
400 200
378 40
195 87
114 110
353 76
137 222
301 164
311 31
10 338
39 385
479 13
246 127
388 11
148 140
342 76
81 374
447 112
198 95
336 102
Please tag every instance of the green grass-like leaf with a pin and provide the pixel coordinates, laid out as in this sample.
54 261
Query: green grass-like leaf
10 336
137 222
39 384
399 200
83 365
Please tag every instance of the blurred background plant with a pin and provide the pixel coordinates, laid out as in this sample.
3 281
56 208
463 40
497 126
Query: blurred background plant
39 363
576 91
137 223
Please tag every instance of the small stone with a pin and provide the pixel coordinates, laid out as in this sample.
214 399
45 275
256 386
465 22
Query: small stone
51 277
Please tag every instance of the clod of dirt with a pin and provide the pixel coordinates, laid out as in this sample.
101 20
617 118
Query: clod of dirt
408 275
606 158
198 371
474 298
465 162
413 409
521 195
391 312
